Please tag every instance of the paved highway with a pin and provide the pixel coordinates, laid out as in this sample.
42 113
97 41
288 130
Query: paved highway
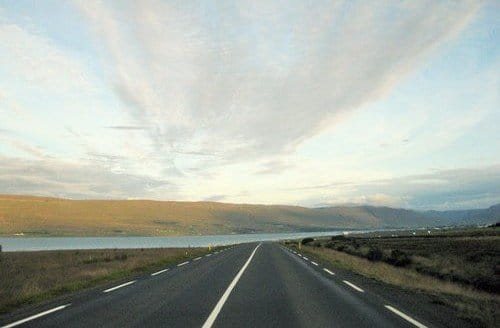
251 285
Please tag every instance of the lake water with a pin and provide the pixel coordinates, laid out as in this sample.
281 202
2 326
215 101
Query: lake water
60 243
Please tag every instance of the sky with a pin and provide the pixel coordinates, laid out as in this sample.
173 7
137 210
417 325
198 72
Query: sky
311 103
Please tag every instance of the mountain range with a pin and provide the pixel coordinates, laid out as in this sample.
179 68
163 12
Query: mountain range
30 215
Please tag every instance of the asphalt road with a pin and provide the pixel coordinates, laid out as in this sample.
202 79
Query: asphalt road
251 285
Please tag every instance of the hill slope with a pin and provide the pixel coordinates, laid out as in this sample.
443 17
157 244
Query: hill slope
54 216
476 216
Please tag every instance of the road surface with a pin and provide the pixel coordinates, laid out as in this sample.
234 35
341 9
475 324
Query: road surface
250 285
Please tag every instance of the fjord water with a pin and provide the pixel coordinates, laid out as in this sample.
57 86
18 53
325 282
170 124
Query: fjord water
13 244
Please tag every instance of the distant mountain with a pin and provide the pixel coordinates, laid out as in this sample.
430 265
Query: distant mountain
460 217
53 216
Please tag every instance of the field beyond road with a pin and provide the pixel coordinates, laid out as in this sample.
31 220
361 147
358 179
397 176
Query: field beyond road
458 267
31 277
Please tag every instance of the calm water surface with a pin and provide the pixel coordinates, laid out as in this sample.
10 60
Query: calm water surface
58 243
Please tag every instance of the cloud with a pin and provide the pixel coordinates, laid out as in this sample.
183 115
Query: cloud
448 189
440 189
321 186
5 131
377 199
77 180
258 78
9 137
215 198
126 127
38 62
214 96
274 167
195 153
105 157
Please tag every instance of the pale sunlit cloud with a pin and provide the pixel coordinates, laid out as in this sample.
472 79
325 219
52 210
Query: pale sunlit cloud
257 102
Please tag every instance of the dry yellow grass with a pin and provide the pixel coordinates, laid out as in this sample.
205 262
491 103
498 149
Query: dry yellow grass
29 277
470 258
472 304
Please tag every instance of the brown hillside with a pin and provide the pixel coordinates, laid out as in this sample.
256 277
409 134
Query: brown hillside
54 216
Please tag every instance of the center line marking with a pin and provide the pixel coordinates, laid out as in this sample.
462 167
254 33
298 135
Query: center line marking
328 271
215 312
406 317
196 259
183 263
353 286
158 272
208 255
305 258
314 263
119 286
41 314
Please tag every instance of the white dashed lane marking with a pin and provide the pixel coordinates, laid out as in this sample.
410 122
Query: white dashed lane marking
119 286
328 271
41 314
158 272
350 284
406 317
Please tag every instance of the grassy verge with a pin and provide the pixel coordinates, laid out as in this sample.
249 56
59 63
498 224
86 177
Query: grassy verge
32 277
462 256
475 305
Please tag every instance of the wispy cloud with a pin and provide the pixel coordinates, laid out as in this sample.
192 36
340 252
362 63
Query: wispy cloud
36 60
76 180
293 102
441 189
274 167
296 71
215 198
126 127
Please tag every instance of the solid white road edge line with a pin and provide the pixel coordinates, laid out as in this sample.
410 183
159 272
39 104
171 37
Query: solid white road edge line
196 259
41 314
328 271
406 317
158 272
314 263
353 286
183 263
119 286
215 312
